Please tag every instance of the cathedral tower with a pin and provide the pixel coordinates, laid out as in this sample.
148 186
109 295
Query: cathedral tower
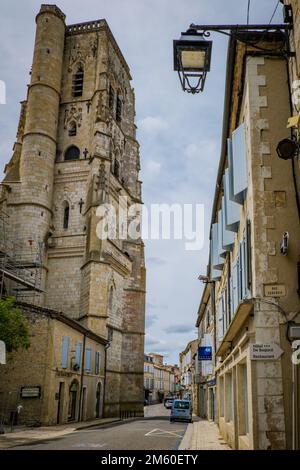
76 150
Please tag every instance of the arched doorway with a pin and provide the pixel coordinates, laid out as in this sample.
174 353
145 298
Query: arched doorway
73 396
98 400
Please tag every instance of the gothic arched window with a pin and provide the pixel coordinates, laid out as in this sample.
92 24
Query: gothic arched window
66 215
72 153
119 109
110 298
116 169
77 85
72 129
111 97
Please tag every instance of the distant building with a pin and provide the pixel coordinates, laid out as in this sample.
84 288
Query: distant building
159 378
205 403
148 378
188 370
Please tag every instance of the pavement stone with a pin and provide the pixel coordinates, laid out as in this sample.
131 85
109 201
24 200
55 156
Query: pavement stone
203 435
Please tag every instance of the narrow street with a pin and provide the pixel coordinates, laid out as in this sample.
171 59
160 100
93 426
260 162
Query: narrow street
153 433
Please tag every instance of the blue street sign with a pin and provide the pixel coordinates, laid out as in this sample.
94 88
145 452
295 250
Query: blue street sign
205 353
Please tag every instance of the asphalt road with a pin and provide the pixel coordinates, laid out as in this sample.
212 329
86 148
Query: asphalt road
147 434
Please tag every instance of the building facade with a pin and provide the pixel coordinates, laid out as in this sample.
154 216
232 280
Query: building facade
60 378
188 365
159 378
76 156
205 402
254 254
148 379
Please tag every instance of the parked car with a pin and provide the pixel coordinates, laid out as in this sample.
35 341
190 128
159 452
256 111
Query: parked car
169 402
181 411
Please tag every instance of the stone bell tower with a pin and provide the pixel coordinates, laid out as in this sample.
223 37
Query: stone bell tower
76 150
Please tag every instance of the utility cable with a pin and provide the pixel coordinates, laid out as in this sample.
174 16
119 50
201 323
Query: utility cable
274 12
248 11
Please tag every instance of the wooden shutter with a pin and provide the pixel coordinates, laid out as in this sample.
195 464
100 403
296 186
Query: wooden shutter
239 157
217 261
64 352
248 256
88 360
221 250
78 353
232 209
221 320
227 235
235 287
97 363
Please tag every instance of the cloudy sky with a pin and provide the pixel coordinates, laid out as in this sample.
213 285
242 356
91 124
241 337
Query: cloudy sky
179 133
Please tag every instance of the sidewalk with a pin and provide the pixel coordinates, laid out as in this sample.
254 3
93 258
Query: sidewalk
203 435
22 435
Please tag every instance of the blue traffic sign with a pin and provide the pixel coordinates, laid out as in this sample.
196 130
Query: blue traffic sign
205 353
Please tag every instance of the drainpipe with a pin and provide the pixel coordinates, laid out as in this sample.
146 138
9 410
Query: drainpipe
81 378
213 308
105 367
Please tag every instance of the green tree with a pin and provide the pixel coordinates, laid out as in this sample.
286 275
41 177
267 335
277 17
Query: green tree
14 329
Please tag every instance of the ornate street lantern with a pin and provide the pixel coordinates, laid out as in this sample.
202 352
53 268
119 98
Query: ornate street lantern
192 57
192 52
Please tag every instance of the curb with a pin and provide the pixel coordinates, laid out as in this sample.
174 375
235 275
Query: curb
187 438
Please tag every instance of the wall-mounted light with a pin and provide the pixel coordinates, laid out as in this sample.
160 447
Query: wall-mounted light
192 52
284 245
287 149
192 57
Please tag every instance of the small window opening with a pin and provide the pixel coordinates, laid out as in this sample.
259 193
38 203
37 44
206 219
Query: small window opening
119 109
78 78
66 216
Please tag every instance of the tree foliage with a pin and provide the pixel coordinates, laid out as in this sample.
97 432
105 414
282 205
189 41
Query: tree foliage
14 328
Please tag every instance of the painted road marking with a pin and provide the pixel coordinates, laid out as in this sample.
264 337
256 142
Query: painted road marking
89 444
161 432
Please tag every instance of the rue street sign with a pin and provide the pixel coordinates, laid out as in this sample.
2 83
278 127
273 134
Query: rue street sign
265 352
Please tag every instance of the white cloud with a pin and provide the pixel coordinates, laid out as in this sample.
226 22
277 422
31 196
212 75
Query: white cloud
153 168
153 341
153 125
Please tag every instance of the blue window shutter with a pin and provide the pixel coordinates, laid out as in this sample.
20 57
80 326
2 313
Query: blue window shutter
64 352
239 158
224 312
231 298
221 319
88 360
221 250
217 261
241 271
232 209
245 266
227 235
235 286
78 353
97 363
233 173
248 259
